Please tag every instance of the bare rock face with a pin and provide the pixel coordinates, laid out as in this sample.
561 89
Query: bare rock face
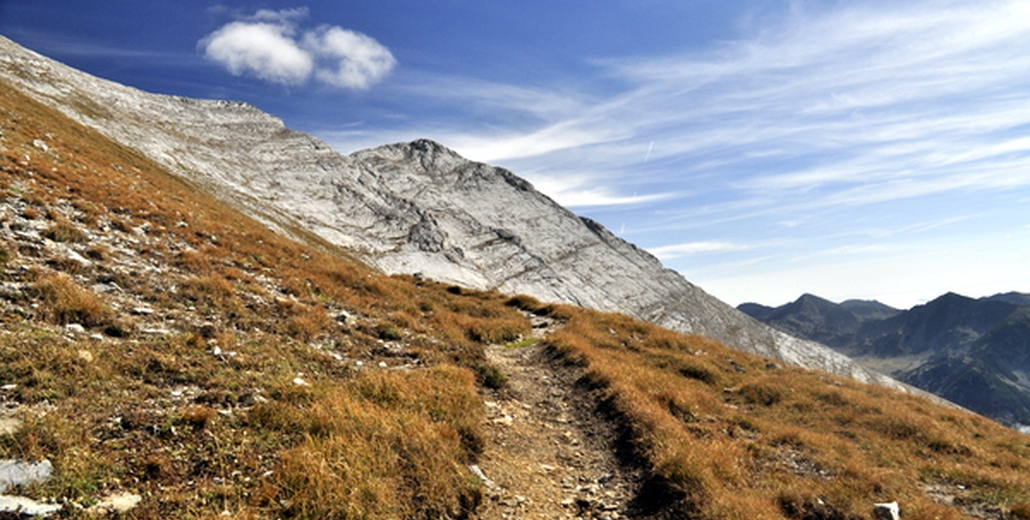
405 208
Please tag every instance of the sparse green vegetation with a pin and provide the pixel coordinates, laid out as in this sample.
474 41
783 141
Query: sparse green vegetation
64 231
491 377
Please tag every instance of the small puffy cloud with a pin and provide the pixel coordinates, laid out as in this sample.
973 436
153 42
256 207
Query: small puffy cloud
270 46
262 49
360 61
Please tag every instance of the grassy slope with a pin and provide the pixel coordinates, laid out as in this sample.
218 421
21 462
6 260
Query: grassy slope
198 434
731 436
720 433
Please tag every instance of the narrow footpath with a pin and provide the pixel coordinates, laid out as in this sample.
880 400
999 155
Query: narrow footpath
548 455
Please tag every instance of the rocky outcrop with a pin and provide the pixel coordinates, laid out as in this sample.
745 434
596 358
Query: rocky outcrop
405 208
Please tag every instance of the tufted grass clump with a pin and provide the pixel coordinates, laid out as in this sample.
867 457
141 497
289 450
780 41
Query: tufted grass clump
65 301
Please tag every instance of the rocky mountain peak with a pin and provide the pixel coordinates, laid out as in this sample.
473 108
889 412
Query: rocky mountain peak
951 298
432 157
430 147
813 302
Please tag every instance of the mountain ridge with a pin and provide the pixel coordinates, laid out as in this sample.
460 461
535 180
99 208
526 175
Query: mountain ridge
969 351
398 208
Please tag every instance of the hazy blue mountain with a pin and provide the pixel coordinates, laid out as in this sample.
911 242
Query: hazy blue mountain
974 352
812 317
1012 297
869 309
991 377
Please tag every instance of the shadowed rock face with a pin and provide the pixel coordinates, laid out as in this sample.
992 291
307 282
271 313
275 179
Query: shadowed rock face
406 208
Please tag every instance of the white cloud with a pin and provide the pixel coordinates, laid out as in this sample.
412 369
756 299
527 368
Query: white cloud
262 49
269 45
576 191
880 102
691 248
360 60
488 97
535 144
283 16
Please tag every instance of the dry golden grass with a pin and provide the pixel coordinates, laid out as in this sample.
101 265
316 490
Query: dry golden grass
64 302
198 434
63 231
729 437
386 445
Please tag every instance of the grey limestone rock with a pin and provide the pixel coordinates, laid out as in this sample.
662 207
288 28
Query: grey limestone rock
19 473
26 507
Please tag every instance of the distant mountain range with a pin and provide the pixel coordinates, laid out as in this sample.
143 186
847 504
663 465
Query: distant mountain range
974 352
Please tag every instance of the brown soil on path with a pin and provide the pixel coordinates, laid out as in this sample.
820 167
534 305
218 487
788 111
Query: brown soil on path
548 454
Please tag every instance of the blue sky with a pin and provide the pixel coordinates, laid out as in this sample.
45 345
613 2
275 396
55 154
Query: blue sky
850 149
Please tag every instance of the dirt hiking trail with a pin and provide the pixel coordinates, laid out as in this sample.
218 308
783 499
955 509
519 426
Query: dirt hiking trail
548 454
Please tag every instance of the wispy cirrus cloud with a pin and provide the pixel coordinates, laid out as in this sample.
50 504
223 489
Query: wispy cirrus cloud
271 46
692 248
579 191
844 101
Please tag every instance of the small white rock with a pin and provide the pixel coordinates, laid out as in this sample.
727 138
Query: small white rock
119 503
887 511
478 472
9 425
18 473
23 506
